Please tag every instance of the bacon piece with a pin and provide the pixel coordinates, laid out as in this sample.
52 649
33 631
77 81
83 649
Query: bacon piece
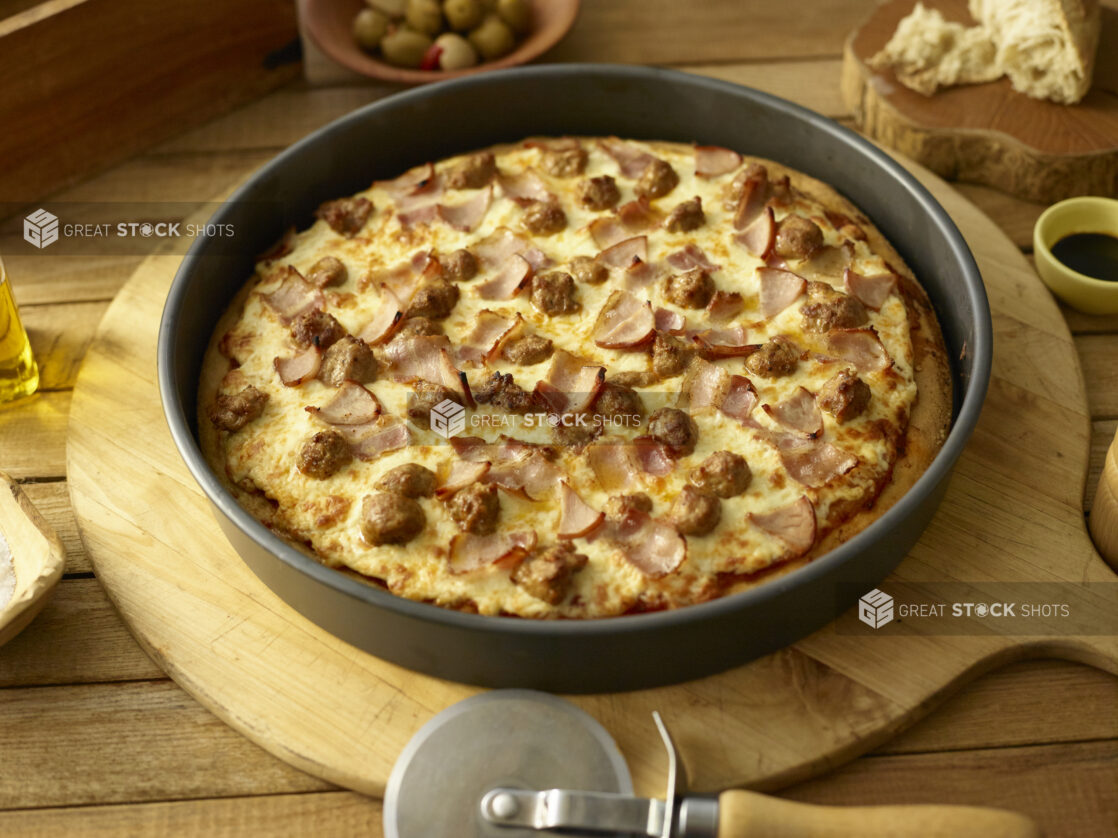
614 464
624 322
860 347
508 281
467 215
712 160
669 321
424 214
740 399
638 215
812 462
577 518
828 263
724 343
534 475
793 524
779 289
295 296
496 248
871 290
754 194
525 187
625 253
385 320
536 258
473 552
426 357
705 385
655 548
639 275
352 404
413 182
302 367
608 230
654 457
631 160
490 331
462 473
760 236
370 440
571 384
798 412
725 305
691 257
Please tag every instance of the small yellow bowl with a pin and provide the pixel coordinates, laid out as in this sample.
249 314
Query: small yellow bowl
1076 215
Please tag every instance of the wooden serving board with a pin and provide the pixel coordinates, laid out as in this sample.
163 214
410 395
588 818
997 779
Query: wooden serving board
989 133
1012 512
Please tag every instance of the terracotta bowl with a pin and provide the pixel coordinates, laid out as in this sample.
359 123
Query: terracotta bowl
330 25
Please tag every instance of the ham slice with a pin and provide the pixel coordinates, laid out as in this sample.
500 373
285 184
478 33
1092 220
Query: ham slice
577 518
495 249
724 343
302 367
798 412
608 230
754 194
872 291
624 322
705 385
525 187
669 321
655 548
352 404
630 159
532 474
793 524
638 215
691 257
625 253
614 465
713 161
653 457
472 552
725 305
421 179
572 384
639 275
385 320
294 296
417 356
462 473
828 263
811 462
536 258
506 282
490 331
860 347
760 236
423 214
739 400
779 289
467 215
367 442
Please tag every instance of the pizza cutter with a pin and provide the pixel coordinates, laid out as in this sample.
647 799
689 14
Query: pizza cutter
525 764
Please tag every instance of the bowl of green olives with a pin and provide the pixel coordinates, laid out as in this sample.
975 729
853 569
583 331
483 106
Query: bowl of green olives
419 41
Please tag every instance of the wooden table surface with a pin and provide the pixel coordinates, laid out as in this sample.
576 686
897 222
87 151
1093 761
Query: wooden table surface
95 739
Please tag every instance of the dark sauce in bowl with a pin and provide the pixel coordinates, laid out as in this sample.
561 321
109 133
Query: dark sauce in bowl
1091 254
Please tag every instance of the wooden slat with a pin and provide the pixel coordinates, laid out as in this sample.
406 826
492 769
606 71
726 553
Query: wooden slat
797 81
1102 435
1083 324
1099 357
53 502
59 335
77 638
133 742
46 278
33 436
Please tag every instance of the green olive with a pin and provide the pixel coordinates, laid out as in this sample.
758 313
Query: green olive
424 16
463 15
457 53
516 14
405 47
369 27
493 38
393 8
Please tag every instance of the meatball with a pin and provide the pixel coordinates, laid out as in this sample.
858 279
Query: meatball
589 270
231 412
694 512
844 396
618 401
553 293
686 216
350 358
388 518
473 172
434 299
475 509
657 179
798 237
328 271
564 161
528 350
459 266
418 327
346 216
546 573
828 309
425 397
410 479
620 507
690 289
501 390
598 193
323 454
777 358
670 355
723 474
675 429
544 218
317 328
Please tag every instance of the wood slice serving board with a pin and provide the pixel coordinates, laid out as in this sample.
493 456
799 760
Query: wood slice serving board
1012 513
989 133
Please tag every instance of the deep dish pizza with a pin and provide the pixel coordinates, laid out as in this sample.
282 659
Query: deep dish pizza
576 377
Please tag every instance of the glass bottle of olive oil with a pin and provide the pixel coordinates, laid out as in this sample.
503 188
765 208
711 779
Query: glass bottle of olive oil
19 375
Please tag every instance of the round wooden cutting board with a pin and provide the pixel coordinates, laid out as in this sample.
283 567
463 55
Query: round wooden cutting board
1012 512
989 133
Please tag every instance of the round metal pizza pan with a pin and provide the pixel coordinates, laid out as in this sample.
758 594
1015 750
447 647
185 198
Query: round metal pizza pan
618 653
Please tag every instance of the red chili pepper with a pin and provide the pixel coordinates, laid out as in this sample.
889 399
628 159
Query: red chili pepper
431 57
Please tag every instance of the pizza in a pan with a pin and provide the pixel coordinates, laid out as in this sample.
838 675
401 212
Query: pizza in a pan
576 377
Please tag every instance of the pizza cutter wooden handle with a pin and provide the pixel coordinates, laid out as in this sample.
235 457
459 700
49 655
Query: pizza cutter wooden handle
746 814
1104 511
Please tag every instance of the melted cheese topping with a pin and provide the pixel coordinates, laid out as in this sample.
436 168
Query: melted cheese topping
326 513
